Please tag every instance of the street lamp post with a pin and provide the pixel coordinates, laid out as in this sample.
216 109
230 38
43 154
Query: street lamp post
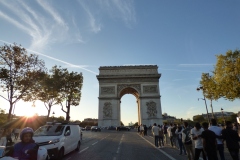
223 116
198 89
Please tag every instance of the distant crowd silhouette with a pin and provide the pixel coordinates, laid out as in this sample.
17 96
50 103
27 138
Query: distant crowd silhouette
193 141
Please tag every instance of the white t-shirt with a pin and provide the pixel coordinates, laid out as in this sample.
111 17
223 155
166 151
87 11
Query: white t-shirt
198 141
155 130
169 131
218 131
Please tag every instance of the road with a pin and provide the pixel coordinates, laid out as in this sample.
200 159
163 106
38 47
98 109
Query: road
122 145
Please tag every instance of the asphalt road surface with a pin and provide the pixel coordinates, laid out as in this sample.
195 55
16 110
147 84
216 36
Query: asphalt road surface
121 145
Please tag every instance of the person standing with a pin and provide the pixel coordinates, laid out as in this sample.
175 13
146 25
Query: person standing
165 127
160 137
196 133
16 133
209 142
231 137
155 132
218 131
170 135
9 136
138 128
145 130
187 141
179 138
141 130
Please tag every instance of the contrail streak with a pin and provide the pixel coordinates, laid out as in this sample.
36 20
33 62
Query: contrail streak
70 64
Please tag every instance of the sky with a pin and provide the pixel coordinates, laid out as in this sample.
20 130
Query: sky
181 37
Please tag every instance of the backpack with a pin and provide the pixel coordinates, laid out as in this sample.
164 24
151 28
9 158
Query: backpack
173 130
187 139
165 129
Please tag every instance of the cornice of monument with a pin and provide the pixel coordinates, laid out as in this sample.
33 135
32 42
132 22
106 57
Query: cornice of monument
130 76
129 66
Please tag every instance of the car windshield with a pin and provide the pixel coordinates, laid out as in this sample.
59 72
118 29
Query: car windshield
49 130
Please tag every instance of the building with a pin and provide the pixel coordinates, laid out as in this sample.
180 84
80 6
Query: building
90 120
167 118
216 115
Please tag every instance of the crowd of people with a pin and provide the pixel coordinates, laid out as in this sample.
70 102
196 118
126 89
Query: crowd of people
200 139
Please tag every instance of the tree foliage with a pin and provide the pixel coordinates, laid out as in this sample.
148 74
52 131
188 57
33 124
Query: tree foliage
198 118
71 85
210 87
59 87
18 72
225 79
227 74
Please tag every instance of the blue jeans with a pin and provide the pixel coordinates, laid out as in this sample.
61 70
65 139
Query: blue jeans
181 146
156 140
220 149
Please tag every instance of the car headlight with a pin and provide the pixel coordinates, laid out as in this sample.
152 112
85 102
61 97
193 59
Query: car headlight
54 141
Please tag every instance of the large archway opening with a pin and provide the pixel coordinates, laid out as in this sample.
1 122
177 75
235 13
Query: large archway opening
129 110
129 107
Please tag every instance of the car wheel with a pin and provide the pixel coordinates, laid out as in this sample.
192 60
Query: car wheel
60 154
78 146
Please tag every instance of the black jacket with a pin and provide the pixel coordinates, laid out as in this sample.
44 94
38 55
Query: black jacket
231 138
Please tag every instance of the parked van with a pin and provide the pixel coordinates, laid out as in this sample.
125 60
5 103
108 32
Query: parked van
59 139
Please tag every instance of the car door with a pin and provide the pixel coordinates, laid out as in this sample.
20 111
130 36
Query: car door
67 141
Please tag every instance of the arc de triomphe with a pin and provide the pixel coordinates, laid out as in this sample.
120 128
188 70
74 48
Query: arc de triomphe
141 81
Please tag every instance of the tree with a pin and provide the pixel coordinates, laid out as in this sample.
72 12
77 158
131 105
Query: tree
68 87
47 89
3 117
227 75
210 88
198 118
19 71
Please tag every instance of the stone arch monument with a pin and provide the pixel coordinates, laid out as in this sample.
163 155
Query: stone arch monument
141 81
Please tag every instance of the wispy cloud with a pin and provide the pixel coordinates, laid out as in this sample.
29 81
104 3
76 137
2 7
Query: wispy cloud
52 12
190 65
178 70
44 30
122 9
83 67
95 26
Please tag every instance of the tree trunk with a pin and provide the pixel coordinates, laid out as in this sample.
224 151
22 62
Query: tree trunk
68 112
49 110
212 110
10 111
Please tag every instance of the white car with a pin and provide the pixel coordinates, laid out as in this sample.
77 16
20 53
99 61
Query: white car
59 139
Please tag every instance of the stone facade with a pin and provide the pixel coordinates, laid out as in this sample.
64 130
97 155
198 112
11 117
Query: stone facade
141 81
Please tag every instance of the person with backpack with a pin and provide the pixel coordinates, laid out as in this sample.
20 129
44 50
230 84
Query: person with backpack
178 132
174 136
160 137
187 141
